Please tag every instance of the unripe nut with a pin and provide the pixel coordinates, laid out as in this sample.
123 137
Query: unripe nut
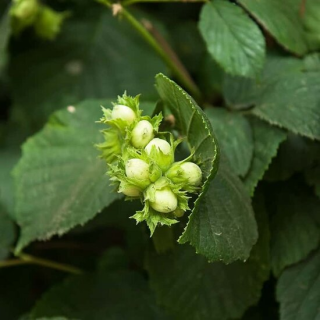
160 144
165 201
137 169
160 152
192 172
130 191
142 134
123 112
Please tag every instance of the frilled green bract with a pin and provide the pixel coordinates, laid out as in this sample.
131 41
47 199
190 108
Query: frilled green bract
141 163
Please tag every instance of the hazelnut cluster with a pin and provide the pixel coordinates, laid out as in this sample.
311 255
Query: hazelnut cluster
142 163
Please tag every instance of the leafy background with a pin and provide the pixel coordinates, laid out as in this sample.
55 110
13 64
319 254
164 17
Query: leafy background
250 247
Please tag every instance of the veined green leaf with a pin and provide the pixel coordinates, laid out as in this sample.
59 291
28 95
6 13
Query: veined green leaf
298 290
60 182
193 124
281 19
234 135
232 38
223 201
222 225
293 102
266 143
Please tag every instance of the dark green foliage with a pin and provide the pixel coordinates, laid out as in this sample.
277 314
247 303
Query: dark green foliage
238 82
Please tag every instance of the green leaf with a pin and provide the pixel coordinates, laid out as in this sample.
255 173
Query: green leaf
95 56
223 201
195 289
311 23
295 226
292 102
241 93
234 135
60 182
192 123
232 38
222 227
208 229
266 143
7 234
100 296
298 290
281 19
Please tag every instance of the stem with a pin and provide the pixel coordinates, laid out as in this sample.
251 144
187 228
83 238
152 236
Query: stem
12 262
129 2
179 72
303 8
28 259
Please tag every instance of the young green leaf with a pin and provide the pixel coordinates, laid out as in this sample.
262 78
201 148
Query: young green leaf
298 290
266 143
60 182
281 19
295 226
232 38
235 137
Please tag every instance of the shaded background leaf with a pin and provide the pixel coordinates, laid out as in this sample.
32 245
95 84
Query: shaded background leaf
298 290
234 135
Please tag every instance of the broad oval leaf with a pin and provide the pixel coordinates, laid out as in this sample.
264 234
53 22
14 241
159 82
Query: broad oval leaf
281 19
298 290
232 38
221 225
60 182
